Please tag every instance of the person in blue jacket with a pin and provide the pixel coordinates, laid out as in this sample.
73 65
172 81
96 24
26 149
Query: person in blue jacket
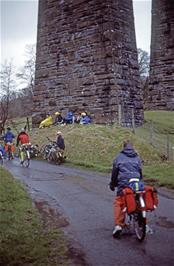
9 136
127 165
85 119
69 119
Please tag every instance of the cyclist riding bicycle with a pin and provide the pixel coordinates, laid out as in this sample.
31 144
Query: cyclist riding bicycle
8 139
22 139
127 165
2 150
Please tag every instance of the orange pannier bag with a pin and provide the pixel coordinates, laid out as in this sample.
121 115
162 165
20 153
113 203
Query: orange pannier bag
129 200
12 147
150 198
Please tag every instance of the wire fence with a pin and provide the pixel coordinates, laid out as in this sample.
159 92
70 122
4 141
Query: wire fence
162 139
162 142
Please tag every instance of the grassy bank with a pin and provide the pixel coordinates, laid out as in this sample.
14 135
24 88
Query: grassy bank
95 146
23 239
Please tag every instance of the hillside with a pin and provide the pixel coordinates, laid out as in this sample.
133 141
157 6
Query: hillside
95 146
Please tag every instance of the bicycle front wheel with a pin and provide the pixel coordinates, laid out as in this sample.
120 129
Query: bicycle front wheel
26 161
140 226
1 159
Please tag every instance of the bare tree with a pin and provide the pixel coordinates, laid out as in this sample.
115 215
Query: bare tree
143 61
7 89
27 72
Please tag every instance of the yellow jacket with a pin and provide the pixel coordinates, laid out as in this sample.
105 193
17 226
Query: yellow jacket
46 122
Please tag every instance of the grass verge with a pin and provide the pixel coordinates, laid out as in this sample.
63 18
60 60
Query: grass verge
23 239
160 175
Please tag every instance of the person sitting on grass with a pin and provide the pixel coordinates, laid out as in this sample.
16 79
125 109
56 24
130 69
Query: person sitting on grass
58 119
69 119
85 119
48 121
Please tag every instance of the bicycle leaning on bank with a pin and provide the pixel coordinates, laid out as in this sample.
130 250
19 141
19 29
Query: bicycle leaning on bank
52 153
24 154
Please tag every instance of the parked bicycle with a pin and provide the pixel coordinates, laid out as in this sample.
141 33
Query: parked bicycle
52 153
34 151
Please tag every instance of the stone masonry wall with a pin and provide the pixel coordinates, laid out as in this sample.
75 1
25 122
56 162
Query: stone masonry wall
161 94
87 60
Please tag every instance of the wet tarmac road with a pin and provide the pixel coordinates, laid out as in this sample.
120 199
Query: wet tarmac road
86 202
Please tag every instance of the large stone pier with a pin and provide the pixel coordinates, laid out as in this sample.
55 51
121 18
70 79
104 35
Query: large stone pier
161 94
87 60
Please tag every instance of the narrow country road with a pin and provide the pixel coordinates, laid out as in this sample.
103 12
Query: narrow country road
86 202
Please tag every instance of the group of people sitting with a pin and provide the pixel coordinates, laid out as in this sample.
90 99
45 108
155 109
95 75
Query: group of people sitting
70 118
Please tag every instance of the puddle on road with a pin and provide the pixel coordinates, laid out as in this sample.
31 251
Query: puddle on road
50 214
163 222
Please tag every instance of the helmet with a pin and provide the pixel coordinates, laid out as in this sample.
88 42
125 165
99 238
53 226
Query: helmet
59 132
8 128
22 130
57 113
83 114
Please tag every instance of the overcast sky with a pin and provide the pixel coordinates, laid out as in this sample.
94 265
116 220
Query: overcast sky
19 26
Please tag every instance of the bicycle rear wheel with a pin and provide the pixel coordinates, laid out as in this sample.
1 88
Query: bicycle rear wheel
26 161
140 226
9 153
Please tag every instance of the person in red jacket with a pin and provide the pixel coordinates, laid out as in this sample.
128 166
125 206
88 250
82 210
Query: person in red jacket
22 139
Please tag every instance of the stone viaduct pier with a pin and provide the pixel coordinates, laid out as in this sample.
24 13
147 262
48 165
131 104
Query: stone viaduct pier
87 60
161 94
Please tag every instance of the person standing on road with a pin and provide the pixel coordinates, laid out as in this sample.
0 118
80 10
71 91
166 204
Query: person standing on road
126 165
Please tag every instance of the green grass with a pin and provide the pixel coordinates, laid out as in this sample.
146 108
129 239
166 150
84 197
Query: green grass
95 146
160 175
23 240
158 130
163 120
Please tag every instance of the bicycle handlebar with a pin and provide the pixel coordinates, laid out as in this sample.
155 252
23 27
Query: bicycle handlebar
52 141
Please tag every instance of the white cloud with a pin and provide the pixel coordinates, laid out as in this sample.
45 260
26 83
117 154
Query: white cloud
16 51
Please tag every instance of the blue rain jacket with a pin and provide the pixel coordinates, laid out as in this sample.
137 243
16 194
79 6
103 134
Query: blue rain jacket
85 120
126 165
8 137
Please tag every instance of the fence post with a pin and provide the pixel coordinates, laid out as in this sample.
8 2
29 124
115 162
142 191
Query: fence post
133 121
119 114
172 153
151 133
168 147
28 124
